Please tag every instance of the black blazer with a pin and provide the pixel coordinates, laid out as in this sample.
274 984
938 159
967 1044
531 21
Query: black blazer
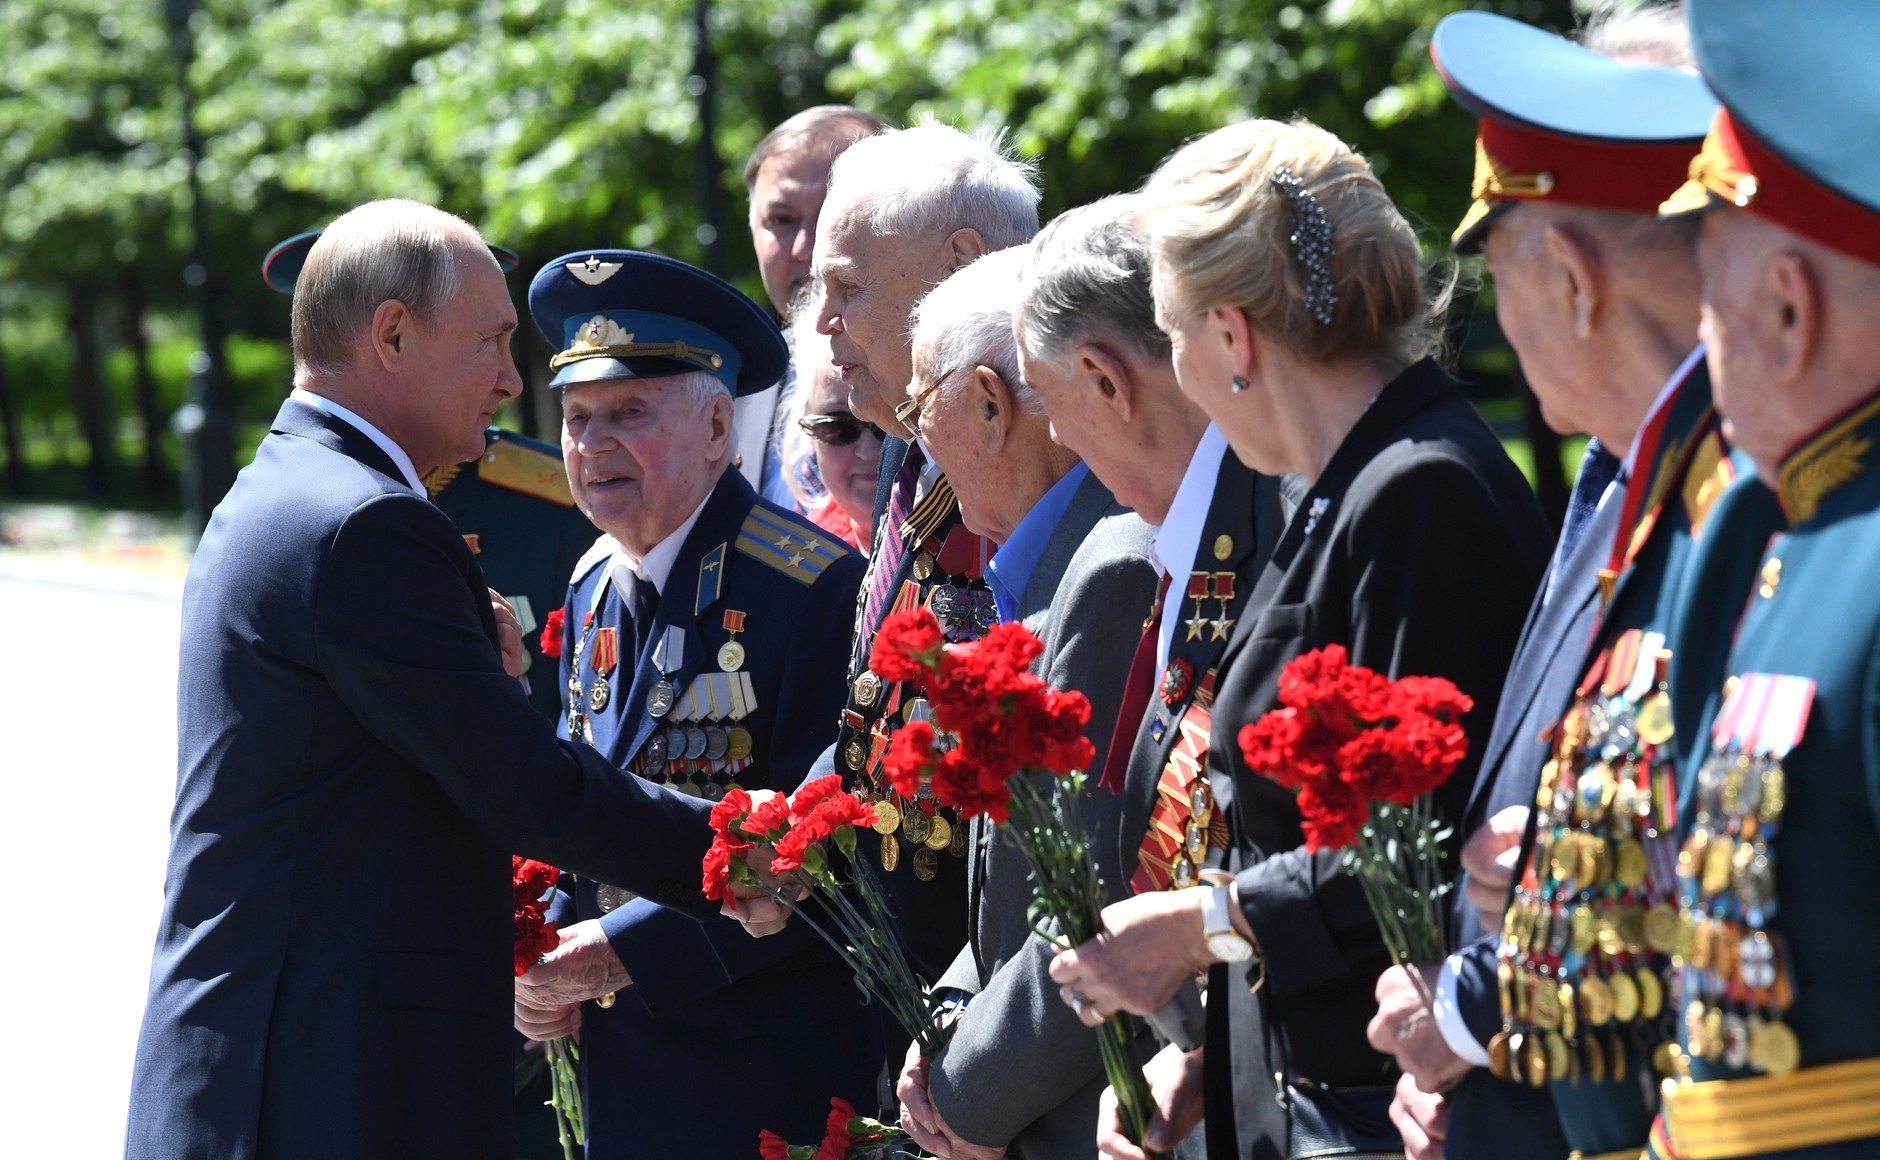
333 970
1419 549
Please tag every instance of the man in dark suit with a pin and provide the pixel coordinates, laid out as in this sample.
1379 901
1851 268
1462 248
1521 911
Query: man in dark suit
334 959
704 643
1617 365
1019 1072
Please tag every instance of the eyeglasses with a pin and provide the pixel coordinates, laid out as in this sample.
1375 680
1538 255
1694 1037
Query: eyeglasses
908 413
837 430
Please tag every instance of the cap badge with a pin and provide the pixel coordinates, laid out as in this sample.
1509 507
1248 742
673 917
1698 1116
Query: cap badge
594 271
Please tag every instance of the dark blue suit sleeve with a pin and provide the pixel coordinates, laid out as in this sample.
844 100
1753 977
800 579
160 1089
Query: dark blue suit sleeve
673 958
415 662
1477 997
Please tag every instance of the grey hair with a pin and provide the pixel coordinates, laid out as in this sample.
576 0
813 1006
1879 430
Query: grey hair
1088 275
967 321
702 386
382 251
1652 34
933 178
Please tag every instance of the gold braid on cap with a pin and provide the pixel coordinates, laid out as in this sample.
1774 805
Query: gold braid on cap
1493 179
709 360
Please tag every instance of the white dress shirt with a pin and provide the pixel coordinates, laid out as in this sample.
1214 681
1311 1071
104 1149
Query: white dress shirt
1173 544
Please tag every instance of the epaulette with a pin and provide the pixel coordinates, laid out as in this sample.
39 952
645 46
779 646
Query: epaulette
788 543
602 549
526 467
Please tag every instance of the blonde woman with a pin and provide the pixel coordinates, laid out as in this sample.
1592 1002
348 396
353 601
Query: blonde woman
1291 289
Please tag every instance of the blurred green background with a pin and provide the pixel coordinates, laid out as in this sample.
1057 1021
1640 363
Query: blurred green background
560 124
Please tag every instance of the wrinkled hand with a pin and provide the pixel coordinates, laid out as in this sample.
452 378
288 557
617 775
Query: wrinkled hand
584 966
1422 1119
753 906
516 659
1405 1027
1488 858
923 1121
544 1023
1175 1083
1149 946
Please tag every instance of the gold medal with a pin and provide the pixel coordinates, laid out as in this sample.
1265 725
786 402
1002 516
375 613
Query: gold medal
1774 1048
1624 996
887 819
687 788
1569 1014
1557 1056
1717 858
1629 921
1661 928
923 566
740 743
1534 1056
1545 1004
890 852
1713 1034
1654 720
1595 1058
926 864
731 656
1630 867
914 824
1498 1054
854 754
1665 1059
1651 993
939 833
1582 927
1595 1000
1616 1056
1606 935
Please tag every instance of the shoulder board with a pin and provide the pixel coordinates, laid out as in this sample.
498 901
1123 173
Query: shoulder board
788 543
601 549
439 478
528 469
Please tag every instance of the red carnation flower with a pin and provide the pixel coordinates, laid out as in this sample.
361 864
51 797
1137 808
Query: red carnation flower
805 800
772 1146
907 647
717 869
1331 813
910 758
552 632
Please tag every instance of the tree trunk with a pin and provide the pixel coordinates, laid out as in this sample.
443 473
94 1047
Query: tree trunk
90 400
156 476
10 434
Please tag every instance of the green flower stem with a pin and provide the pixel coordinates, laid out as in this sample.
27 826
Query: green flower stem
564 1094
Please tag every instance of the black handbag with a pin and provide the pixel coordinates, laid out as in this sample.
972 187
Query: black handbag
1350 1123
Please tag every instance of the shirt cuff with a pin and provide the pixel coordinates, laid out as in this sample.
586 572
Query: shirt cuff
1449 1017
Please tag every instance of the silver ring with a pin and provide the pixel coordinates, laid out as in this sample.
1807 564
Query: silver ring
1079 1001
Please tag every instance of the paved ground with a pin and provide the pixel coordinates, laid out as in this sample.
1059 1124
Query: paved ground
87 767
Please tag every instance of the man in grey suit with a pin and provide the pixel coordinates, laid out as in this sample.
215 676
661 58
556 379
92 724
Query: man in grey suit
1019 1077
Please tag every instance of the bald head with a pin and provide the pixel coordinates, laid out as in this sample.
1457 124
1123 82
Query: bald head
384 251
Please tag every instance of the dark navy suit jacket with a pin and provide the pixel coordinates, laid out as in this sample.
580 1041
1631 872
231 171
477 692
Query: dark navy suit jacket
333 970
711 1010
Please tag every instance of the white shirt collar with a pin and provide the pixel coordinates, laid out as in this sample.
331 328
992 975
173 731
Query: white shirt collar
656 566
1658 404
1173 545
345 415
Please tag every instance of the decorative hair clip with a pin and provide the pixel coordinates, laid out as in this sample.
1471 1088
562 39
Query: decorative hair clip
1312 244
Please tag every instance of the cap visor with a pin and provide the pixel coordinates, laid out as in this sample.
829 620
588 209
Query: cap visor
1472 234
1691 199
601 369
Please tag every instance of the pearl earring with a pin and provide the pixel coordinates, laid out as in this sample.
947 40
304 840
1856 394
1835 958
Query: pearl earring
1240 384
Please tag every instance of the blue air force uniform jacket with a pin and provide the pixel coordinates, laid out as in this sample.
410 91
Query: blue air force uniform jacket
720 1035
332 974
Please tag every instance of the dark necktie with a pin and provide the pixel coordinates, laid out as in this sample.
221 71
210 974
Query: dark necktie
1136 688
890 548
1598 468
642 606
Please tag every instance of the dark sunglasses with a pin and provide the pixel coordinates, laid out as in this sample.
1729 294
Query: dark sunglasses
837 430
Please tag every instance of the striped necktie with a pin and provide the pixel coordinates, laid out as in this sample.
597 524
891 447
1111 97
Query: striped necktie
890 547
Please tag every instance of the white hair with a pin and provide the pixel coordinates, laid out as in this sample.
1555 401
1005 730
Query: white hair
933 178
1088 276
1652 34
383 251
967 321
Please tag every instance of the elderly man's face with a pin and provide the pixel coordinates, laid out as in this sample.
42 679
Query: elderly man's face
786 199
641 454
1740 326
1534 305
1084 421
954 425
869 287
461 366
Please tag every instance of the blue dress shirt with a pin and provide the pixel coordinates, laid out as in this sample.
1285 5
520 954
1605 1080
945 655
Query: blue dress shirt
1010 569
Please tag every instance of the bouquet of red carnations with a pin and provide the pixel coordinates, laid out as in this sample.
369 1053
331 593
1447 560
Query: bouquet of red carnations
849 1137
1005 744
857 920
1361 753
534 886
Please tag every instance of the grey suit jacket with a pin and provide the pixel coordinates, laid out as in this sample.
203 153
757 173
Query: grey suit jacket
1021 1071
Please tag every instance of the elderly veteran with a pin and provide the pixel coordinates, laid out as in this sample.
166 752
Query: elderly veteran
1775 675
1020 1071
349 741
1290 288
905 209
703 647
1600 300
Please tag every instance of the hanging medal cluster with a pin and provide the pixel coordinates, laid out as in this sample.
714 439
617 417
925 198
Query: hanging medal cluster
1584 941
1733 975
700 744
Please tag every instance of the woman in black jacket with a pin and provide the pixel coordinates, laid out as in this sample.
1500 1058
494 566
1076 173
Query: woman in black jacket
1291 288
